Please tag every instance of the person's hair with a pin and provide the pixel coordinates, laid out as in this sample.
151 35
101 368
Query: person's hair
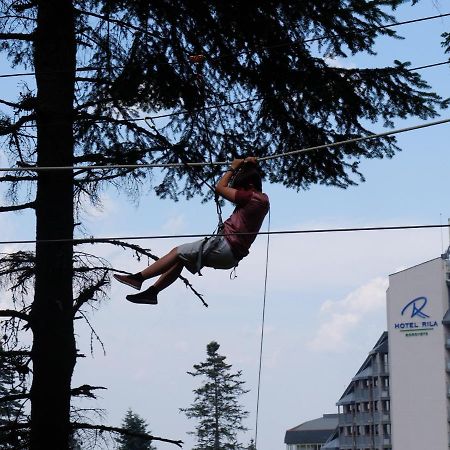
248 175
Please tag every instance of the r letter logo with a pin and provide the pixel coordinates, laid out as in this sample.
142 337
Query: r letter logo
416 307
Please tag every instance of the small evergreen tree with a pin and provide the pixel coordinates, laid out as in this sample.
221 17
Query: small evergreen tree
10 407
136 424
216 404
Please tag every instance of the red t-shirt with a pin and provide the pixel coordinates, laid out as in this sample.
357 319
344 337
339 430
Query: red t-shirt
248 216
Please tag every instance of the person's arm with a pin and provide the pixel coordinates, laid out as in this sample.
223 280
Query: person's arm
222 187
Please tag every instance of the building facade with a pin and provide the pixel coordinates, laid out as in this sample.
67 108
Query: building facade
311 435
418 312
364 408
400 397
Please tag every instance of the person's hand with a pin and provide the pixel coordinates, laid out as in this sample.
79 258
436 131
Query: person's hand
236 164
251 160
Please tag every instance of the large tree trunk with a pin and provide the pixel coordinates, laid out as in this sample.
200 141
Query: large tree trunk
54 350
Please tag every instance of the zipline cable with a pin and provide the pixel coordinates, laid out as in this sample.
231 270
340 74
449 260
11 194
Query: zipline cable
281 45
93 240
262 333
224 163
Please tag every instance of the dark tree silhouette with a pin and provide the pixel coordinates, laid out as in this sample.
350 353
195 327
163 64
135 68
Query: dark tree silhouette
216 404
263 86
12 384
136 424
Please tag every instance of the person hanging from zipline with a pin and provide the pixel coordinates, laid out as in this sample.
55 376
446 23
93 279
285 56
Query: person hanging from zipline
241 184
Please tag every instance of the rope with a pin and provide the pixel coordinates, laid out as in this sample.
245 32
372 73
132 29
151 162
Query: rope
225 163
269 47
262 333
92 240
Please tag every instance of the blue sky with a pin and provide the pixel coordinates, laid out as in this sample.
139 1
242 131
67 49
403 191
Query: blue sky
326 293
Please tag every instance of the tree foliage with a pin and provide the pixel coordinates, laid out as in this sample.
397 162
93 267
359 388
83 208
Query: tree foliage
136 424
11 402
216 405
268 84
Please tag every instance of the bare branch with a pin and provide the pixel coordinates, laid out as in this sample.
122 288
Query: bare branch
123 431
14 314
18 17
85 391
29 205
17 36
143 252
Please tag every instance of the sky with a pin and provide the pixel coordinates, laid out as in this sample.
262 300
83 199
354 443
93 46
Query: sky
325 304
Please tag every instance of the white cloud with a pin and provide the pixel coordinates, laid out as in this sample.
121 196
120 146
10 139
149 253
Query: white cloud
338 62
174 224
339 318
105 209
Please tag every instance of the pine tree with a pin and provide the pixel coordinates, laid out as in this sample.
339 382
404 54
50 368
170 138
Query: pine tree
216 404
10 407
100 65
136 424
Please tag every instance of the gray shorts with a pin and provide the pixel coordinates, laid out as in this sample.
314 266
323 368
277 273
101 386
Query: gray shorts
209 252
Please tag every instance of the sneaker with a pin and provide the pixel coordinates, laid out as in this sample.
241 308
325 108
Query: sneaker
129 280
148 297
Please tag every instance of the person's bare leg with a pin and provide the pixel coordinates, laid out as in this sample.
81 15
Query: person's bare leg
150 295
159 267
167 278
162 265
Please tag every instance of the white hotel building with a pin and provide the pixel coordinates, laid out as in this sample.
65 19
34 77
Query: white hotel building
419 336
400 397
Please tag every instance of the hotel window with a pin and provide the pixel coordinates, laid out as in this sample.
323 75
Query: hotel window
386 404
387 429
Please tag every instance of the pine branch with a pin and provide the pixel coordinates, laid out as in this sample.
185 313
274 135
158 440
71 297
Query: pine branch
14 353
23 7
29 205
85 391
123 431
119 22
17 36
14 397
9 129
12 313
92 80
15 426
14 179
89 292
131 125
11 104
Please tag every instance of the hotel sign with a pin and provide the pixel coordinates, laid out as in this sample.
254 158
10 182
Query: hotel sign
416 321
